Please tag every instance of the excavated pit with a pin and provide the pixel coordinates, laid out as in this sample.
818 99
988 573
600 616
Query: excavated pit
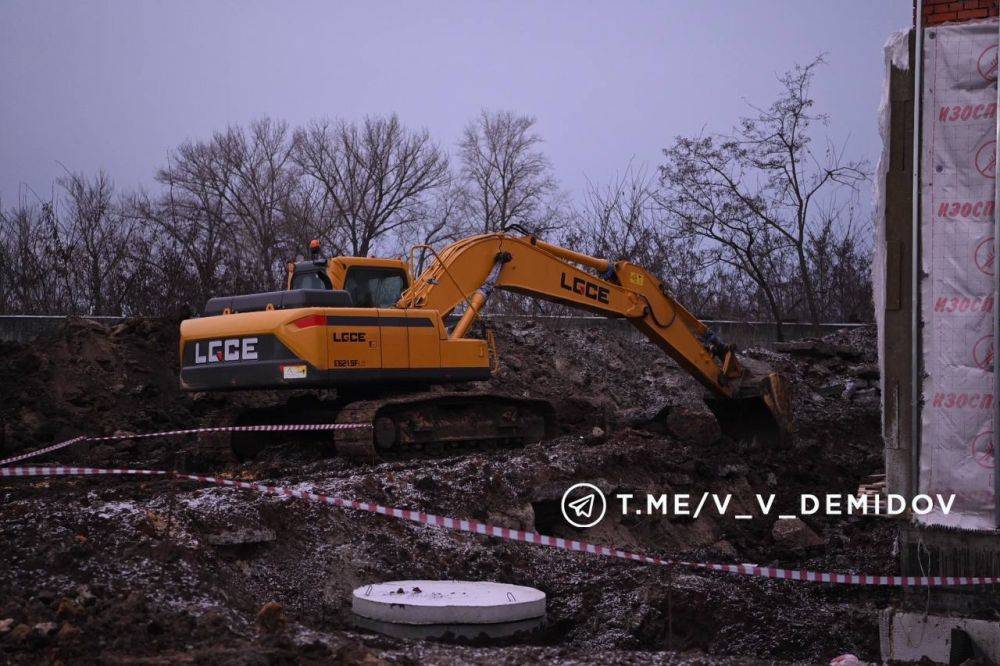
119 569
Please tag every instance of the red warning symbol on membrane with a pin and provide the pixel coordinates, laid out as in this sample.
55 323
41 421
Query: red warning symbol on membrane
987 64
985 256
986 159
982 352
982 449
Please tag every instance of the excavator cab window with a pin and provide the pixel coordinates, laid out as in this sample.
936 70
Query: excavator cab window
374 287
310 280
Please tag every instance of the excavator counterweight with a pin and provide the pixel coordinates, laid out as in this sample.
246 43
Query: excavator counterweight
366 327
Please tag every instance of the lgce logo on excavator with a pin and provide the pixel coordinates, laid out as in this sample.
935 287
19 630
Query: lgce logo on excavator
586 288
350 337
233 349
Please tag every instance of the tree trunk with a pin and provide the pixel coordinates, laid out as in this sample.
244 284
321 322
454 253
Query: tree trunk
772 304
807 285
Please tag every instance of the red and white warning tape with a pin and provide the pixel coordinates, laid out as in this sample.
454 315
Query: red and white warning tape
476 527
38 452
189 431
251 428
77 471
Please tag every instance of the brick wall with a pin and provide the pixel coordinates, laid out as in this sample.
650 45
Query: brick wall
944 11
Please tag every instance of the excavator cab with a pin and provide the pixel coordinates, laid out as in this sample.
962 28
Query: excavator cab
371 282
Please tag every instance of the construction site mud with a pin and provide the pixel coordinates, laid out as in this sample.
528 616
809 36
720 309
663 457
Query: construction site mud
139 570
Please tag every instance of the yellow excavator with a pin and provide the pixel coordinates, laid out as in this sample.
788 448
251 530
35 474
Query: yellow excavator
364 326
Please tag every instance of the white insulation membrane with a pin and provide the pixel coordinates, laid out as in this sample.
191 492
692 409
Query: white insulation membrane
958 167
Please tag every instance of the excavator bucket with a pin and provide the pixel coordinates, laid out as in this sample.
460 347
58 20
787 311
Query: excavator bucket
760 409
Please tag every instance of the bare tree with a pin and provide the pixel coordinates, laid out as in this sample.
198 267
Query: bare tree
702 204
445 221
765 184
234 191
374 175
621 220
192 212
95 237
309 215
25 272
509 180
798 183
258 161
736 224
179 231
840 263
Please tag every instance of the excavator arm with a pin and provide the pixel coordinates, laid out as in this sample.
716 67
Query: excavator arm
469 270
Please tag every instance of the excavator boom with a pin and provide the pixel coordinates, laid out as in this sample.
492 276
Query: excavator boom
467 271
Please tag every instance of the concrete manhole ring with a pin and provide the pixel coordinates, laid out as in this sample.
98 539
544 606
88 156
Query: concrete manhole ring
447 602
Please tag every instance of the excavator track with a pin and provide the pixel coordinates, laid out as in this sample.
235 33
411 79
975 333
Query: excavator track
248 445
415 424
427 424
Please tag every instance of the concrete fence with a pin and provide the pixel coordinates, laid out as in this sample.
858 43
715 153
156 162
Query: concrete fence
24 328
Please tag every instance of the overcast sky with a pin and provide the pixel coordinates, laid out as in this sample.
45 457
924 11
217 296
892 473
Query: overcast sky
117 84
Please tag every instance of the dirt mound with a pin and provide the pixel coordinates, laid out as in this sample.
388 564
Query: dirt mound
118 569
592 376
90 379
